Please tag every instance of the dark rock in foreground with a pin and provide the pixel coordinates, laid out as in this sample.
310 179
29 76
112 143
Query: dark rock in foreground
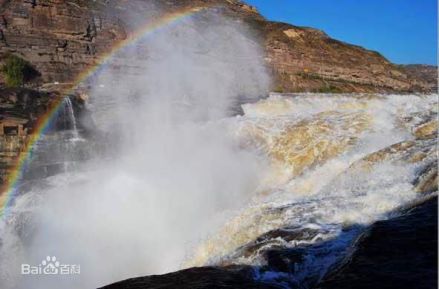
397 253
197 278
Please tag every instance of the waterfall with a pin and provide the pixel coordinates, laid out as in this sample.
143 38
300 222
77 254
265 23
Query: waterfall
70 119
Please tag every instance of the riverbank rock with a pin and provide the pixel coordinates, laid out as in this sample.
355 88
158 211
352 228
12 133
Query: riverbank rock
398 253
197 278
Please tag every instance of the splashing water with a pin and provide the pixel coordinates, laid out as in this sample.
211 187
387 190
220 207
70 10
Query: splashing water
319 193
165 170
299 159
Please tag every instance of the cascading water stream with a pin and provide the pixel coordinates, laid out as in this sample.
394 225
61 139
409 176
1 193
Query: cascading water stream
60 149
70 119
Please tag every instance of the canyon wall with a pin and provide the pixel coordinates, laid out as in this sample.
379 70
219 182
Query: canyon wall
61 38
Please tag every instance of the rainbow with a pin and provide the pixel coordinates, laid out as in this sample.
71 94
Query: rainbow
9 189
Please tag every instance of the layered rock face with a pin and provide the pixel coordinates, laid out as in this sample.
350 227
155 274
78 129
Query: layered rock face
306 59
62 38
428 73
19 111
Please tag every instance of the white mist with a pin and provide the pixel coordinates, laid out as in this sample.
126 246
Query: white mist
170 172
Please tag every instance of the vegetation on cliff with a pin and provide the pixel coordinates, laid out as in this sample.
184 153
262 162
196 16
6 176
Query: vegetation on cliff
17 71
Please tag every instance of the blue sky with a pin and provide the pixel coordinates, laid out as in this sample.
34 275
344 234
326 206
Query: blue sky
404 31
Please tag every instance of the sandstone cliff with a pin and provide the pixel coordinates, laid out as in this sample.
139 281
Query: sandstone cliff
306 59
19 110
428 73
61 38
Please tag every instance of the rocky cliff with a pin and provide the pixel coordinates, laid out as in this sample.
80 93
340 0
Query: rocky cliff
306 59
428 73
61 38
19 111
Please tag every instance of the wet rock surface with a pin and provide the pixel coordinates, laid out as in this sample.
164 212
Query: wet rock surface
397 253
197 278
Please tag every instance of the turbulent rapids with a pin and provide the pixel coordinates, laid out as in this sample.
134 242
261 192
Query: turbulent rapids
337 163
328 166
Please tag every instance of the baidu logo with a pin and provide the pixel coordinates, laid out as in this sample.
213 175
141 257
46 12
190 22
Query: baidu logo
50 266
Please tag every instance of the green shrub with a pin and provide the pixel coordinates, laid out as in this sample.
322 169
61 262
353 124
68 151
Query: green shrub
16 71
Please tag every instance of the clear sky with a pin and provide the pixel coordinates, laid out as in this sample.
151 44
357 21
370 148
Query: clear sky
404 31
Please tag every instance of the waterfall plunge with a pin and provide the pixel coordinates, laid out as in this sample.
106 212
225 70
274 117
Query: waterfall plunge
69 117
